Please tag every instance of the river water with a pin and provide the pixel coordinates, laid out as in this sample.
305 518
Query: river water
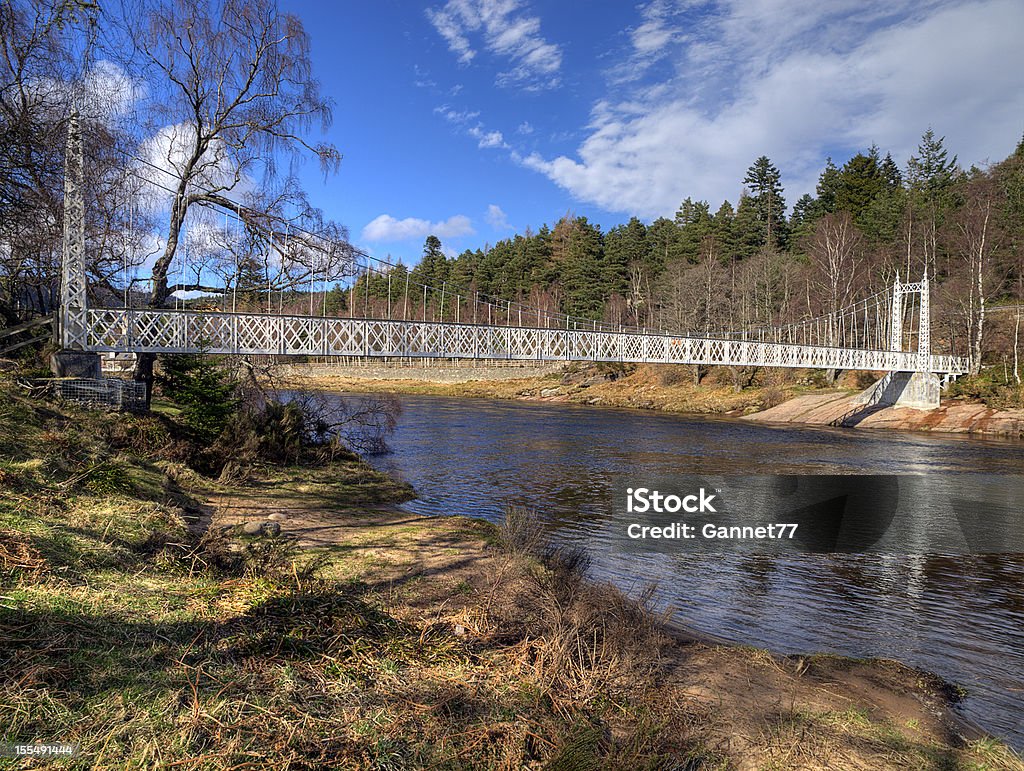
961 617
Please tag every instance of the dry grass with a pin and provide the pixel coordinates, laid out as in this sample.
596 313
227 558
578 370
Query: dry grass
406 643
669 388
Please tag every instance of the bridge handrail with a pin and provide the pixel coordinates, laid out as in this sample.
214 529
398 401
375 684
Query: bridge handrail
175 330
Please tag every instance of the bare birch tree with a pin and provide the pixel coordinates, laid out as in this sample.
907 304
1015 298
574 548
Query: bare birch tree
232 90
833 249
977 237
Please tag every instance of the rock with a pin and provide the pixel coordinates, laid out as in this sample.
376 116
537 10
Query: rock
460 630
262 528
548 392
278 517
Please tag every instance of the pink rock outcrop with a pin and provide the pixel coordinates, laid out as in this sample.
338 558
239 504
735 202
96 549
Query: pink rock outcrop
953 416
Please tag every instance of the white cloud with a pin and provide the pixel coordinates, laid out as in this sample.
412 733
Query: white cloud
650 41
451 31
505 32
485 139
388 228
497 218
421 77
456 116
488 139
107 92
162 164
796 80
525 128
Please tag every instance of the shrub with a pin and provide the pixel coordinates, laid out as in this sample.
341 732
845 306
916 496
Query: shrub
521 530
773 396
989 388
203 390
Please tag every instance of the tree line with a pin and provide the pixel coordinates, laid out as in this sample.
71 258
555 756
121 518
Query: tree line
753 265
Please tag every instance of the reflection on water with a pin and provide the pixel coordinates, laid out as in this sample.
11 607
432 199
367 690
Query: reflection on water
961 617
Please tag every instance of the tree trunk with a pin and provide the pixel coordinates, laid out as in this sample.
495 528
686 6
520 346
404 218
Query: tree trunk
1016 348
979 276
179 208
736 385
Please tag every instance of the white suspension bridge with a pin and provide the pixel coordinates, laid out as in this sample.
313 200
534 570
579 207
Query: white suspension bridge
870 334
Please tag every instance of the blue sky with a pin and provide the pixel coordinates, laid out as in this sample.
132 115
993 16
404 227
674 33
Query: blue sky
473 119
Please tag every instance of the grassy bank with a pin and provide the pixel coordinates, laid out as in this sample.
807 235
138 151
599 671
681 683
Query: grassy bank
672 388
142 622
798 396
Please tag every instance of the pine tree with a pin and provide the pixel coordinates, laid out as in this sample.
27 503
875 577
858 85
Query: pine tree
723 228
336 301
398 274
930 172
665 247
502 270
764 183
827 190
891 172
432 271
625 246
462 271
580 267
860 181
694 222
748 229
203 389
802 219
930 181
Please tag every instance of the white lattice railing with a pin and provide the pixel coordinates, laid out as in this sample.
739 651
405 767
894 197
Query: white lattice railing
235 333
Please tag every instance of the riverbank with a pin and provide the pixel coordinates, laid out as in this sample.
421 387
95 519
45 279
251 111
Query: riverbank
620 687
803 399
296 619
840 409
668 388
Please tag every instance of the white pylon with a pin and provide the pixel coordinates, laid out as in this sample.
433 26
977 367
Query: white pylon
73 302
896 317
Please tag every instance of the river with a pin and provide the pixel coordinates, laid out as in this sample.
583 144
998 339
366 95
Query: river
961 617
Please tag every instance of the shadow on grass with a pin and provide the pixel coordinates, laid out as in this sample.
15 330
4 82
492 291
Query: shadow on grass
65 669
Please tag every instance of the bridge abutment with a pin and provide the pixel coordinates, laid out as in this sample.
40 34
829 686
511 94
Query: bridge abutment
76 364
917 390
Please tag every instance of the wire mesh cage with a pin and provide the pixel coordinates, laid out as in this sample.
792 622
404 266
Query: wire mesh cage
105 394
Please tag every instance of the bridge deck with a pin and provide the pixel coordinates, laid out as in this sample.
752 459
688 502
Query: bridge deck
169 331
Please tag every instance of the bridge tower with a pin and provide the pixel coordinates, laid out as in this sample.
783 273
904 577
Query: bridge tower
924 336
73 303
71 329
918 389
